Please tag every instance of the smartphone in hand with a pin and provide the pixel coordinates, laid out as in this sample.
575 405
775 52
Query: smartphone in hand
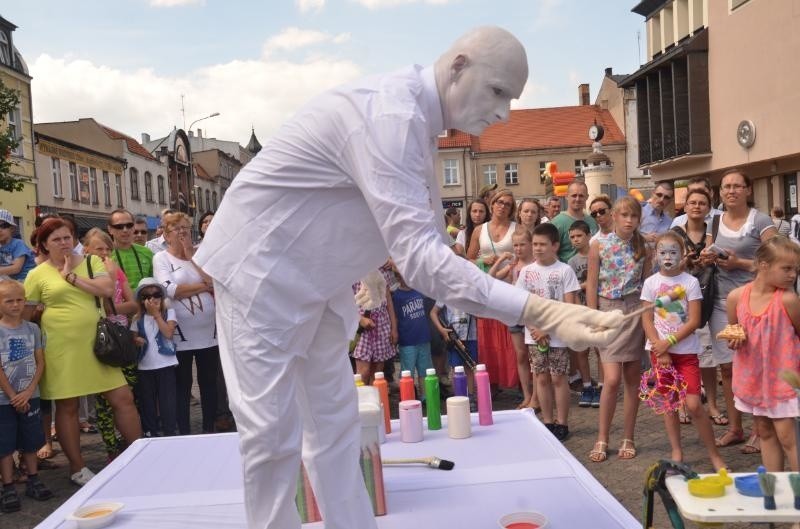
721 253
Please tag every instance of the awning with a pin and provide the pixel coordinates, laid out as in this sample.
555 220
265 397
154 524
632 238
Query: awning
696 43
87 223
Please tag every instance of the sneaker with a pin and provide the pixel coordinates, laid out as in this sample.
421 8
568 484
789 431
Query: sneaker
561 431
596 396
9 500
81 477
587 396
38 491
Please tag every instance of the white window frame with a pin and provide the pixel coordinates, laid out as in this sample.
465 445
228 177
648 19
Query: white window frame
579 164
134 181
511 173
118 188
490 174
5 50
148 186
15 127
93 198
106 189
214 198
208 200
162 197
55 171
450 172
73 181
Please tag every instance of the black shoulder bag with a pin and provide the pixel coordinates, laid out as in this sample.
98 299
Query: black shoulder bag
113 343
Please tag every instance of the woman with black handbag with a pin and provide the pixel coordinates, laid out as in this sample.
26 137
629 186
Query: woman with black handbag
62 284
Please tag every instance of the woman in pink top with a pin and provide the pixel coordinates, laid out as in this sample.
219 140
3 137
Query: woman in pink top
769 312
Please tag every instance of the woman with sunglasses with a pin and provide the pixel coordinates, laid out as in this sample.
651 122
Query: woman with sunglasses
600 210
63 285
489 241
195 337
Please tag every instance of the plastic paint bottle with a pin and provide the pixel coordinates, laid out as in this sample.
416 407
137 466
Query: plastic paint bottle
432 399
406 386
357 380
460 382
484 395
383 389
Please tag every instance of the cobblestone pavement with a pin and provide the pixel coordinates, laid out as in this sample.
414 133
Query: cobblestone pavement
624 479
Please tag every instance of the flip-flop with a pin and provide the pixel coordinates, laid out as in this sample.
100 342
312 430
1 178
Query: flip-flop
730 438
719 419
752 446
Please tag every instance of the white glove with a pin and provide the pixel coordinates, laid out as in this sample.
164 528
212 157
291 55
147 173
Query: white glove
372 293
577 326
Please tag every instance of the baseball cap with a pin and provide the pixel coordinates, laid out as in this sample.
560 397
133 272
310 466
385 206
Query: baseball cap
6 216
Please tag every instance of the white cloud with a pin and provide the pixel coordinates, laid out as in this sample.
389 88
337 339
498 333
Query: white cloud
531 97
175 3
378 4
263 93
293 38
310 5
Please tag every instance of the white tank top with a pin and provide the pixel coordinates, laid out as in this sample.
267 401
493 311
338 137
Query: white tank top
488 247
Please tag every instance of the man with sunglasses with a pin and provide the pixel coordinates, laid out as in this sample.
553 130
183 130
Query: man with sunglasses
140 231
135 260
16 259
577 193
655 219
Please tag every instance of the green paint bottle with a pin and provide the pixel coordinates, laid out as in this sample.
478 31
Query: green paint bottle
432 400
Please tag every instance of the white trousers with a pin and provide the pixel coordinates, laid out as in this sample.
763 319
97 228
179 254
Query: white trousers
281 400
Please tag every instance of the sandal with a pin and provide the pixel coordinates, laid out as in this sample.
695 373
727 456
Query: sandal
9 500
683 416
46 452
87 427
599 453
730 438
719 419
38 491
627 450
752 446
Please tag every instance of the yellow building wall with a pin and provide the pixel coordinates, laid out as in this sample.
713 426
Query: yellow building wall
22 204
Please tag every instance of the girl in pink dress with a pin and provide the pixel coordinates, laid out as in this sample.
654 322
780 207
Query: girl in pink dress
769 312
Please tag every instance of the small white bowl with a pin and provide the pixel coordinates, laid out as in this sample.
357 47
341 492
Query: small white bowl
104 514
536 519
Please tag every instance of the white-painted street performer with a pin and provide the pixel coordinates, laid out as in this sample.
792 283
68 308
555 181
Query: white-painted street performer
347 181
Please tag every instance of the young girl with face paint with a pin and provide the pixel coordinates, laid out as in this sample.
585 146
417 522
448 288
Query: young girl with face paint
671 339
508 268
769 312
618 263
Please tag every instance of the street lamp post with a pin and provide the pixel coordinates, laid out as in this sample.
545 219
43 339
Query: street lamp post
192 185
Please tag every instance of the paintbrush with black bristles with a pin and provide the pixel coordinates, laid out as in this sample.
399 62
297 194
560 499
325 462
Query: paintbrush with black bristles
432 462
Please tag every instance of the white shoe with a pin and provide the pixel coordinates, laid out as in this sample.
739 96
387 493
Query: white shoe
82 477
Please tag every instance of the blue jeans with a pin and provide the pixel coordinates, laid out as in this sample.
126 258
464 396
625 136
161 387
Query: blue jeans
416 356
156 389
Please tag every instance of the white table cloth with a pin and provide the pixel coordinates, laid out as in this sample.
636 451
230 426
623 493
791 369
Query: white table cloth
513 465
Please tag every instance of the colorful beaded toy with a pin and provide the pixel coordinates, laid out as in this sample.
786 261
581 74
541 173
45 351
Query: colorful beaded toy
668 391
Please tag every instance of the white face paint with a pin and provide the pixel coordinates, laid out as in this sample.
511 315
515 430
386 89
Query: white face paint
486 73
668 255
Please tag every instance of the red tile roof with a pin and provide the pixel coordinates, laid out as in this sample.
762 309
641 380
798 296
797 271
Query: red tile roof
456 140
133 145
540 128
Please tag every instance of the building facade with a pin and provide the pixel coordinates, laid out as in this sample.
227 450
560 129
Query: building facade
720 94
14 75
215 170
514 154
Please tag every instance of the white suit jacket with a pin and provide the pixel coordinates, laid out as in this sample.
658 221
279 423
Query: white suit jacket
345 182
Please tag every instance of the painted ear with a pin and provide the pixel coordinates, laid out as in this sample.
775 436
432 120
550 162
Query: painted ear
458 65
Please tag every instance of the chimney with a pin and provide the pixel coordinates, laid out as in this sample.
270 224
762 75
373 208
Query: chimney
191 134
200 133
145 137
583 94
609 71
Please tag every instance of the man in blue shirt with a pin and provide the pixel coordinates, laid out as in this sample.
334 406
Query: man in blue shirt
16 259
655 220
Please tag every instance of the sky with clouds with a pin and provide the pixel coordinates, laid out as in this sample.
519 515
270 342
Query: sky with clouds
127 62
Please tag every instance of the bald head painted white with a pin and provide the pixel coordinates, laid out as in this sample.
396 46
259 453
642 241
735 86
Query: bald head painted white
478 77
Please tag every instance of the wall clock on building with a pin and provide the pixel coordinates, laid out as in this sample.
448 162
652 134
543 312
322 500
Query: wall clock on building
596 132
746 133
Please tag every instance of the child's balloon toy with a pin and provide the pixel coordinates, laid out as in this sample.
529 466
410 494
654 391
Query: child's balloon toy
663 389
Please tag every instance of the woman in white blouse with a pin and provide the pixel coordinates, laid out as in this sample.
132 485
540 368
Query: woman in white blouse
196 335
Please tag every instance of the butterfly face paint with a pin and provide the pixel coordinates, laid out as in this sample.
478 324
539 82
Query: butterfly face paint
668 255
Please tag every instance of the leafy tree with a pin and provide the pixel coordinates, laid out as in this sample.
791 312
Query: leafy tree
9 140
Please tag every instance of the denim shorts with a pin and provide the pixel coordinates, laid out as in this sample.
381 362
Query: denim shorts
20 431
